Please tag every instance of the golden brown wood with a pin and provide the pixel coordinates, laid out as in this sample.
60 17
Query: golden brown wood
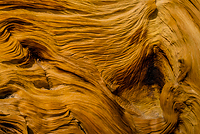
94 66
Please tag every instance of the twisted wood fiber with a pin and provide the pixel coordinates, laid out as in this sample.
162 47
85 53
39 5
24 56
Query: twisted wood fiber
94 66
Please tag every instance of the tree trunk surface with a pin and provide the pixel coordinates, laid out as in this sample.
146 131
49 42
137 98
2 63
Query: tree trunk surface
99 66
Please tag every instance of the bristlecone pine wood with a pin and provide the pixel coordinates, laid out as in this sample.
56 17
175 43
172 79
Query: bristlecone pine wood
99 66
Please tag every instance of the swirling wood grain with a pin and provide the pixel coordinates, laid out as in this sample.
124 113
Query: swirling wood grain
99 66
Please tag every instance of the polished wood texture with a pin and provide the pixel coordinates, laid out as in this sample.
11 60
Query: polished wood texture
99 66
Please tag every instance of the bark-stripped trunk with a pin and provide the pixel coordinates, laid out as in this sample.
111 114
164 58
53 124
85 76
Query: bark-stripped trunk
94 66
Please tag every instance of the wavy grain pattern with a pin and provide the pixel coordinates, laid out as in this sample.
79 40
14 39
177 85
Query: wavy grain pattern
99 66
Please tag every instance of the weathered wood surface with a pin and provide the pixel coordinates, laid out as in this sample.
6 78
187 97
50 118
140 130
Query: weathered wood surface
94 66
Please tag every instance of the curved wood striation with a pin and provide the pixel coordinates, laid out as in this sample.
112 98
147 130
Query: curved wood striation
93 66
